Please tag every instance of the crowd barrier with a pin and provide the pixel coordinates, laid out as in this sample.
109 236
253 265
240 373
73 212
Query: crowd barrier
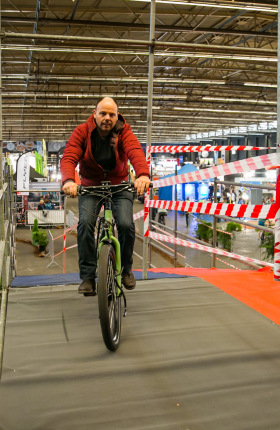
46 217
226 209
173 149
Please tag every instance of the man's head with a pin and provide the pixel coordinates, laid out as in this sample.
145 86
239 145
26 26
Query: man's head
105 115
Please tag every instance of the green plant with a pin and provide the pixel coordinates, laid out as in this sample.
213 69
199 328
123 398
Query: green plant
35 225
268 245
42 238
224 240
233 226
39 237
203 230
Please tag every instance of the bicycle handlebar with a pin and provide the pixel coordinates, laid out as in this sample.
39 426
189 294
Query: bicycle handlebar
105 186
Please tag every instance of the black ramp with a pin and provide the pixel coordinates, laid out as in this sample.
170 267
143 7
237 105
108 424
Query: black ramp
191 357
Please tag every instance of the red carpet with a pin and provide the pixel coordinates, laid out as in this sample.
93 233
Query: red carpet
256 289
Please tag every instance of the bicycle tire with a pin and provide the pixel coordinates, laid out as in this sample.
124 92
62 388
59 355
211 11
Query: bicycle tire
108 302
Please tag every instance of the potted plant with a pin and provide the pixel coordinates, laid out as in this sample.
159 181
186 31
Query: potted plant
233 226
224 240
204 231
39 238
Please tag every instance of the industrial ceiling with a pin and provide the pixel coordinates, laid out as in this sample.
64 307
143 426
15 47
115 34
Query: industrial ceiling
215 65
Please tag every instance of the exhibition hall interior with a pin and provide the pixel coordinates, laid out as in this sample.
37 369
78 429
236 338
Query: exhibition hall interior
180 94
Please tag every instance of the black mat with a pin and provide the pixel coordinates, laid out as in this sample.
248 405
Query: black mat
191 357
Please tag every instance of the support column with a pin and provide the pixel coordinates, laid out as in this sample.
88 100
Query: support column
149 131
4 291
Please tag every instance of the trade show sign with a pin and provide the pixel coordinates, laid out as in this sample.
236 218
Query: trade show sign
23 171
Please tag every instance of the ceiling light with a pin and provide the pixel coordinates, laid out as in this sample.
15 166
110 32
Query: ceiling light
223 5
259 84
228 100
135 53
224 110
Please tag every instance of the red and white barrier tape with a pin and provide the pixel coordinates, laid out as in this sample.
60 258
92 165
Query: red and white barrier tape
66 231
147 197
230 265
227 209
205 248
138 215
179 149
246 165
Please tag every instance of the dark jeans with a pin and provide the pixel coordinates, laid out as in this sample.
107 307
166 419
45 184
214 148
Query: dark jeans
89 208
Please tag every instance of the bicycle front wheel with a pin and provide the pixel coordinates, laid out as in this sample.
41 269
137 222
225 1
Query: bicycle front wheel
108 301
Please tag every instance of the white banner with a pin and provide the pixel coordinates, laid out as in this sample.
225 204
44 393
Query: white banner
23 173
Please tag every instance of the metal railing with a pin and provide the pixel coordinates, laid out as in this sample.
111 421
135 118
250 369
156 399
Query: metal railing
237 220
7 253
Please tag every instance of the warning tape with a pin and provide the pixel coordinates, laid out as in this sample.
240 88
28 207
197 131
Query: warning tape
179 149
147 197
239 166
231 265
66 231
227 209
205 248
138 215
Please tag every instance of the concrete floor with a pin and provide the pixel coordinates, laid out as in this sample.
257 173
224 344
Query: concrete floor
28 262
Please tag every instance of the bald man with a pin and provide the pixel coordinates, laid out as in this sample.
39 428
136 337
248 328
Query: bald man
102 147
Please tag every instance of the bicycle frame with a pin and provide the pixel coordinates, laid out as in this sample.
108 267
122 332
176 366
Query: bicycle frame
106 232
109 236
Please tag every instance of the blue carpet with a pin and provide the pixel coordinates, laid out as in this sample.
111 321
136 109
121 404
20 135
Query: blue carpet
74 278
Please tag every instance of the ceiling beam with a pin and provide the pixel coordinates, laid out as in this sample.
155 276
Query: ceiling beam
134 26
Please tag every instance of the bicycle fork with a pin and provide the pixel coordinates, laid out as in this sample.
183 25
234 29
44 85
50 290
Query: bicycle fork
118 277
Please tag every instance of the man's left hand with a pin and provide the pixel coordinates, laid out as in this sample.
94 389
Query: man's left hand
142 184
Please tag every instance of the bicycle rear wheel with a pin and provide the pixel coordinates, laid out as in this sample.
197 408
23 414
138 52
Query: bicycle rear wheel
108 301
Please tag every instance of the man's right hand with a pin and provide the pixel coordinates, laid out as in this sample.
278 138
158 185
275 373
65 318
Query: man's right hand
70 188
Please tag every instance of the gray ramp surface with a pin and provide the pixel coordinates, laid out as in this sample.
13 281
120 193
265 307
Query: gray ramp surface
191 358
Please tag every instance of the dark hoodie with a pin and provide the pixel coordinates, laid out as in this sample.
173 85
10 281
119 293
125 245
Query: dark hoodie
80 149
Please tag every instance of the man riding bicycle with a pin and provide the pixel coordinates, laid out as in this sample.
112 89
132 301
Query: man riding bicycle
102 146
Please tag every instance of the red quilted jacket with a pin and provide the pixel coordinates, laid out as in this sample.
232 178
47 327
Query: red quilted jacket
78 150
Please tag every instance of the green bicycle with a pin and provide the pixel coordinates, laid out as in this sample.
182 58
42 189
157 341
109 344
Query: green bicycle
109 283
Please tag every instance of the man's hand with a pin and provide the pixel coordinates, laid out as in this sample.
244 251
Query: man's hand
142 184
70 188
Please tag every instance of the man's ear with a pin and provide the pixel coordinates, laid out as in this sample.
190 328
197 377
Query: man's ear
94 113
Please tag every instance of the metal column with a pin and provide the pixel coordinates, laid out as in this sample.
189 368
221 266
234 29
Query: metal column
149 120
175 225
4 295
214 224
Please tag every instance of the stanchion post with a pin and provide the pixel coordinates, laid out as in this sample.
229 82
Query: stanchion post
214 224
149 130
175 223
